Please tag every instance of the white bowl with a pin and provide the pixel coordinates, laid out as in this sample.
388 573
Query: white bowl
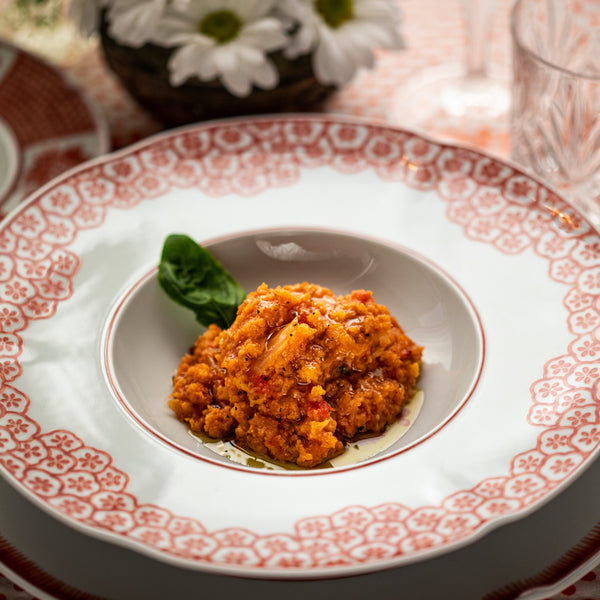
147 333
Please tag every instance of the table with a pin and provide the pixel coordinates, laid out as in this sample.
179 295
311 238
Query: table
429 40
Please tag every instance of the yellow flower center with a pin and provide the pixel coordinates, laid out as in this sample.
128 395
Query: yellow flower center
221 25
335 12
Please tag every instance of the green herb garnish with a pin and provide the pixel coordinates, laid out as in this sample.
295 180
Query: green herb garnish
192 277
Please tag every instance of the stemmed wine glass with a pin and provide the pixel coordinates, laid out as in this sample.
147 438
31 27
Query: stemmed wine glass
467 102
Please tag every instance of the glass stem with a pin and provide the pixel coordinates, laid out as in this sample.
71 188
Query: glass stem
478 21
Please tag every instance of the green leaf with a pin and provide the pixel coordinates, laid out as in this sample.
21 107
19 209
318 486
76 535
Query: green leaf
192 277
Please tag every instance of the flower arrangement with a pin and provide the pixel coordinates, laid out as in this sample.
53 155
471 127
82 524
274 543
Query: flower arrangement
247 45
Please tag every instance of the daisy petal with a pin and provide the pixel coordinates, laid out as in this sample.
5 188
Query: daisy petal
264 75
330 62
266 34
182 64
237 82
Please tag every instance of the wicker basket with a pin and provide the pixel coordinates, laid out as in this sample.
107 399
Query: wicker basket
143 72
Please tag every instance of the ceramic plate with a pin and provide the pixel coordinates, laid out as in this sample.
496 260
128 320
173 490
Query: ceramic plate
448 236
534 558
47 125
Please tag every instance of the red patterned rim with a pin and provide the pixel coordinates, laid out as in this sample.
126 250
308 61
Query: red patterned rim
54 124
493 203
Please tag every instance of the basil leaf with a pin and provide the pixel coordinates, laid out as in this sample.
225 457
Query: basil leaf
192 277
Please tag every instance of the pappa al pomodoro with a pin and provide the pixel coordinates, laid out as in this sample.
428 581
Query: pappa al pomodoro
298 374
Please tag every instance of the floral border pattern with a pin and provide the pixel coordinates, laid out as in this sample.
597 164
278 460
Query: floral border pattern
492 202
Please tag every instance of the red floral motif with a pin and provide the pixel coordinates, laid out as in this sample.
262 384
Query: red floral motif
79 483
6 441
457 526
387 531
89 216
587 348
33 249
13 466
421 542
318 548
587 438
91 460
577 418
152 516
13 401
124 170
11 318
32 270
28 223
152 537
390 512
558 467
497 508
58 230
313 527
542 415
38 309
560 366
108 501
234 537
372 552
64 263
57 462
278 544
492 172
179 526
195 545
41 483
524 485
61 202
425 519
97 191
493 203
111 479
64 440
32 452
16 291
290 561
116 521
73 507
354 517
20 427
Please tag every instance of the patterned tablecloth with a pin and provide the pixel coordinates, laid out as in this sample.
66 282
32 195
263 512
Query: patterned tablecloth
434 33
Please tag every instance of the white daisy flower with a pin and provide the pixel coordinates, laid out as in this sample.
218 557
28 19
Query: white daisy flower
133 22
85 15
342 34
225 39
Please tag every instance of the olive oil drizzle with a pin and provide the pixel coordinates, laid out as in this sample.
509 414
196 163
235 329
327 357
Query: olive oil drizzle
358 450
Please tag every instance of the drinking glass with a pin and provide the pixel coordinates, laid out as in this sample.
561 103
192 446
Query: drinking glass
555 122
466 102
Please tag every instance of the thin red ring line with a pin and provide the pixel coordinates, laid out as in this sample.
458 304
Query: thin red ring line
574 558
114 317
28 570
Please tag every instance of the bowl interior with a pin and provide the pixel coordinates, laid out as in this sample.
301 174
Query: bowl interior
147 334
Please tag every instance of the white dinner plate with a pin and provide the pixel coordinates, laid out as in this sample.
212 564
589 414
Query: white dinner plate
526 267
47 124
